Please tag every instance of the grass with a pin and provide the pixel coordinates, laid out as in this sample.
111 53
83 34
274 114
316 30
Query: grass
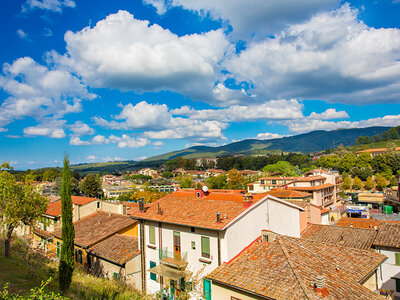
25 270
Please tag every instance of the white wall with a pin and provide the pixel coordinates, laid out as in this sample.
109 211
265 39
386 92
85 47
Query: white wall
283 219
388 269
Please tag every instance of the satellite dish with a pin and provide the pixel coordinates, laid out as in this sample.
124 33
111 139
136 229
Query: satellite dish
205 189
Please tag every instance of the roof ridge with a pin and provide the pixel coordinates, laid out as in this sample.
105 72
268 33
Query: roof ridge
292 268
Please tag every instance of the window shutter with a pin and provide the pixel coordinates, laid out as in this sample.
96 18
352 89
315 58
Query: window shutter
207 289
397 257
205 247
153 276
152 235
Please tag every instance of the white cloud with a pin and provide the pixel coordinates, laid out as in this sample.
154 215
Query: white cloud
271 110
22 34
76 141
329 114
269 136
126 53
48 127
333 57
129 141
80 128
39 92
251 16
91 157
158 143
3 129
48 32
140 158
116 158
100 139
52 5
307 124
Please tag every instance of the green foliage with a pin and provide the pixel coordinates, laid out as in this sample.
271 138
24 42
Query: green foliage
217 182
187 182
364 160
393 133
50 174
329 162
66 266
376 138
35 293
369 184
281 167
346 184
347 162
235 180
357 183
363 140
381 183
362 172
20 204
91 185
385 136
167 174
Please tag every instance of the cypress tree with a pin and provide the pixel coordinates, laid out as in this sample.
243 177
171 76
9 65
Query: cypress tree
66 266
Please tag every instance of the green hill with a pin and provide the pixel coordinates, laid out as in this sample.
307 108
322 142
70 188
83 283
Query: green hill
308 142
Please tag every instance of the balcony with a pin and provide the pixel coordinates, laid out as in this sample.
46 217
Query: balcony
176 260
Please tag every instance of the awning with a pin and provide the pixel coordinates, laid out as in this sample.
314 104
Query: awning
169 272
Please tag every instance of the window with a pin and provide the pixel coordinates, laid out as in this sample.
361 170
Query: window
78 256
152 235
198 195
193 245
397 284
192 229
98 204
397 259
274 181
205 247
58 249
153 276
115 276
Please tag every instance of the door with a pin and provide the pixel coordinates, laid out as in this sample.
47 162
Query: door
177 245
207 289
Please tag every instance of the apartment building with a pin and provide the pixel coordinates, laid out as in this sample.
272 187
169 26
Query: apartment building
266 184
187 234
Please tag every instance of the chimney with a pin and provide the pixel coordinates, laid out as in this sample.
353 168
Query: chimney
247 200
218 217
109 213
159 210
320 287
141 205
267 236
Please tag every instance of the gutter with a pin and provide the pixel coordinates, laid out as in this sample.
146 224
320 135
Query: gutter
372 271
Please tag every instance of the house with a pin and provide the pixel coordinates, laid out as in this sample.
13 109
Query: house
148 172
188 233
94 229
117 257
311 213
213 172
266 184
387 242
282 267
392 197
360 238
114 191
376 151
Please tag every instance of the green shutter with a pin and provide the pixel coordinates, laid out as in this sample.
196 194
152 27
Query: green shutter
58 249
152 275
207 289
397 257
152 235
205 247
115 276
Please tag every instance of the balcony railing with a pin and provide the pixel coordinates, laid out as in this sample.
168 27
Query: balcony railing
174 259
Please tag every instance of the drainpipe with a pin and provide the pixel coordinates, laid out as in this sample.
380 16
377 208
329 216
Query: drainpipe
160 247
219 247
143 256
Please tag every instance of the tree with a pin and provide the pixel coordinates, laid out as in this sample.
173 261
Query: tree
50 174
363 173
364 160
218 182
381 183
394 135
376 138
357 183
167 174
66 266
346 184
385 136
20 204
235 179
347 162
91 186
369 184
187 182
281 167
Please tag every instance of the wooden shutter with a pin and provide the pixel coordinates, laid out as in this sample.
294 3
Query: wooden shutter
205 247
152 235
397 258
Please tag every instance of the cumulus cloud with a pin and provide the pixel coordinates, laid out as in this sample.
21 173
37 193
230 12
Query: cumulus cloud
51 5
251 16
37 91
80 128
100 139
76 141
91 157
129 141
269 136
48 127
329 114
271 110
158 143
130 54
307 124
333 57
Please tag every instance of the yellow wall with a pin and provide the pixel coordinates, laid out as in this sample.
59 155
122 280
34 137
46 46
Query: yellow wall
131 230
219 292
370 282
84 254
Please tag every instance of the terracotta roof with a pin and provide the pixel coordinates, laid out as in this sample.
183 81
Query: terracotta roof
287 193
54 208
43 233
338 235
97 227
286 267
179 208
359 223
118 248
132 207
310 178
388 234
376 150
279 177
312 188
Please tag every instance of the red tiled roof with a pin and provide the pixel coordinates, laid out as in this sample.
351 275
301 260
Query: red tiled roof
359 223
97 227
288 194
312 188
117 248
279 177
388 234
54 209
376 150
310 178
287 268
342 236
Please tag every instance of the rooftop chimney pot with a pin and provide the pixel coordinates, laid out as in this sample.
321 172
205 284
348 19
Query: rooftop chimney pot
219 217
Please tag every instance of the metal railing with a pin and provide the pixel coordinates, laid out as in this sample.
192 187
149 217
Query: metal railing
164 253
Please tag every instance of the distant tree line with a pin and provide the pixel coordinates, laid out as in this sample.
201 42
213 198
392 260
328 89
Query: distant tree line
392 134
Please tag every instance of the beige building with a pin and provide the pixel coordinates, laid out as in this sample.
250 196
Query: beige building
281 267
266 184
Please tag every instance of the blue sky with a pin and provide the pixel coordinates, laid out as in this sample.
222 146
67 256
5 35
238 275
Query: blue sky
117 80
